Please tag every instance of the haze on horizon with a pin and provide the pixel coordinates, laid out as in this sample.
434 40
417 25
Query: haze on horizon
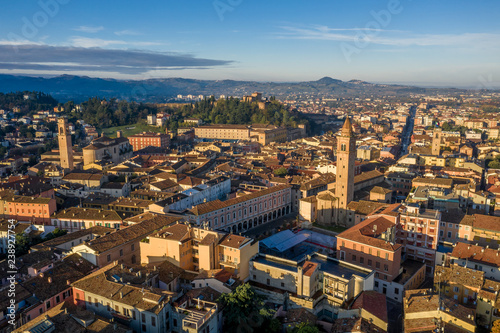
426 43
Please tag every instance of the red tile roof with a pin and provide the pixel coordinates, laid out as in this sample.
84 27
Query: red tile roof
365 233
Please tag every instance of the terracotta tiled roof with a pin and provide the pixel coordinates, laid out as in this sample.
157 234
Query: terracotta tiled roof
363 233
459 275
210 206
308 268
144 299
477 254
373 302
234 241
123 236
77 213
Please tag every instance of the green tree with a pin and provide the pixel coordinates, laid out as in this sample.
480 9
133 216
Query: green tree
22 244
495 164
244 311
280 172
305 328
56 233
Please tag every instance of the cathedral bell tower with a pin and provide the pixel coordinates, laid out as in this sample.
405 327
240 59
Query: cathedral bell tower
344 183
65 145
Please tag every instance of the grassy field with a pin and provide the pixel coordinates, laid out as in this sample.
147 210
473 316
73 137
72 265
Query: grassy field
330 228
131 129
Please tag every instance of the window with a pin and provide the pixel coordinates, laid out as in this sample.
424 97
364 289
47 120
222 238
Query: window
132 247
387 256
121 253
396 291
455 289
386 267
369 262
153 321
361 260
353 257
376 284
377 264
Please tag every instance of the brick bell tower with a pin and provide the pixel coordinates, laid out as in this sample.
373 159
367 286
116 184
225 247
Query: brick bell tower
344 183
65 145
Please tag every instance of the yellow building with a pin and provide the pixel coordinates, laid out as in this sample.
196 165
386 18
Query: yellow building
425 311
199 249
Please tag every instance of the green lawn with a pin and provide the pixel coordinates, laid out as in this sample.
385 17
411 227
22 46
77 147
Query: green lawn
131 129
330 228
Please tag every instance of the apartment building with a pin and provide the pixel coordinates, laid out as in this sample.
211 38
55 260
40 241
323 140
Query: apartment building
476 257
197 249
37 210
418 232
425 311
213 189
243 212
122 245
147 139
372 244
143 310
264 134
75 218
483 230
223 132
65 317
311 280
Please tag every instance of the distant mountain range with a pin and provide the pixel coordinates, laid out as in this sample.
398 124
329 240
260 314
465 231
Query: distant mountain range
79 88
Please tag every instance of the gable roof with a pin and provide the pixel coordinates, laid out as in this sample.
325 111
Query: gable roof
364 233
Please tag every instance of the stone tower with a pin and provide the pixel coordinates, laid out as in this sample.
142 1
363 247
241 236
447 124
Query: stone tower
344 183
436 141
65 146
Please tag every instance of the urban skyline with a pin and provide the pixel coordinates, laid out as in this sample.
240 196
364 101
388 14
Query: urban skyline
419 43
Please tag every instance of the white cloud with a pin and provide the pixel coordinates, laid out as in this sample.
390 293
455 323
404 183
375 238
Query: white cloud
79 41
127 33
391 37
89 29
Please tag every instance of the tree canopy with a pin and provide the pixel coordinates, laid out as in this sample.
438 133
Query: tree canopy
244 311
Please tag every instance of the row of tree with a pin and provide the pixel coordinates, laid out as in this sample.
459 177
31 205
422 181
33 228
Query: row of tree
103 113
246 311
27 101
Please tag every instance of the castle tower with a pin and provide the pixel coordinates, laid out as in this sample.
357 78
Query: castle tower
65 146
436 141
344 183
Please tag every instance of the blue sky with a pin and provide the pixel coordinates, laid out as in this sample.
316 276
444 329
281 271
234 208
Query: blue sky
431 43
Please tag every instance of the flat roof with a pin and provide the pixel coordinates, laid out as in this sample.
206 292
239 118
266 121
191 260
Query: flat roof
275 263
338 268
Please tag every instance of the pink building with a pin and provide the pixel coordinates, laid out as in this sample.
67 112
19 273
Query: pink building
244 212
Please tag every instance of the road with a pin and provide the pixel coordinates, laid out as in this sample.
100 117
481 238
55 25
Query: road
407 133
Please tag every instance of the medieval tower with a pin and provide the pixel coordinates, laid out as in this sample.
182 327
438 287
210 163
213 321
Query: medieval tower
344 183
436 141
65 146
